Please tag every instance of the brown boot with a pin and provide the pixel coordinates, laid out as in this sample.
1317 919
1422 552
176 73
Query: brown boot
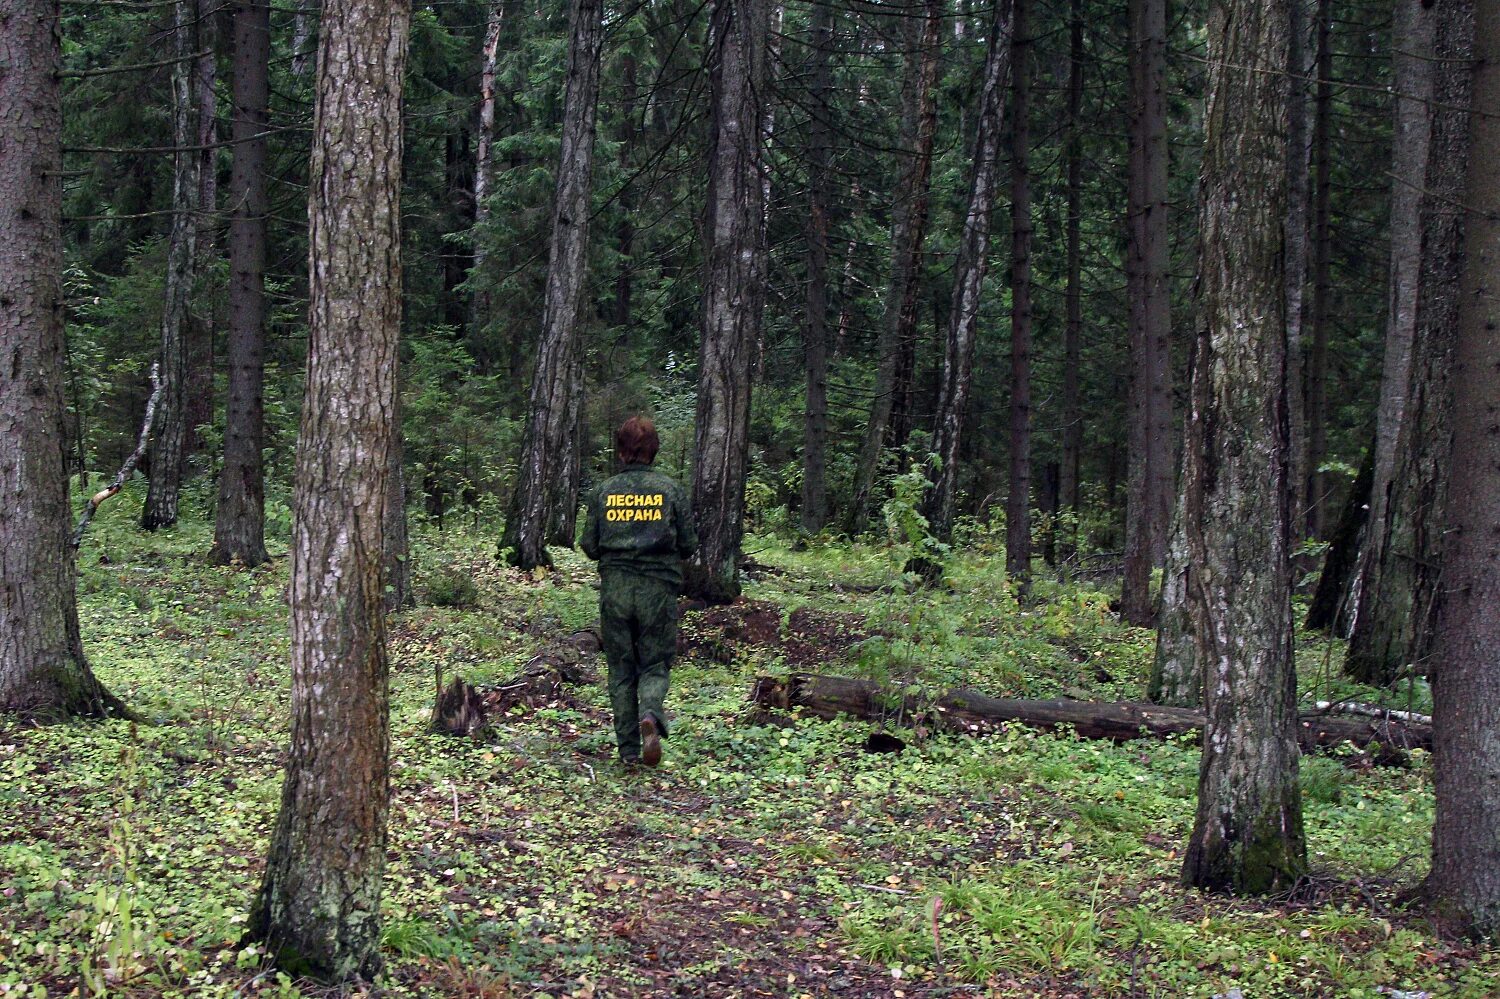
650 742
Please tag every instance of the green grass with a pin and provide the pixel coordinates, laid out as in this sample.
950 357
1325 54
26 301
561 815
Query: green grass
131 853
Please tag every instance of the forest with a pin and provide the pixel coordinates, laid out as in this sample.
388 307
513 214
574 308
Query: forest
1074 427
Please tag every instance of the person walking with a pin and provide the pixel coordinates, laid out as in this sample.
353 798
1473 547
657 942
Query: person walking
639 529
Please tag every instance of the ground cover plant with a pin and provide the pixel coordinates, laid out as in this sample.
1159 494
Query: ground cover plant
768 855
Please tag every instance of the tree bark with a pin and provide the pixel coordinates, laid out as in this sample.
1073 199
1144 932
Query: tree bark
1069 485
303 46
43 672
562 519
396 563
1176 671
969 712
239 521
733 294
1465 879
170 438
815 421
1329 607
1413 77
898 329
201 325
1315 405
1300 68
1149 490
1018 495
1247 835
318 908
483 161
1006 48
551 417
1392 628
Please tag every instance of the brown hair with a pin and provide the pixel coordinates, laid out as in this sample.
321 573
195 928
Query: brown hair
636 442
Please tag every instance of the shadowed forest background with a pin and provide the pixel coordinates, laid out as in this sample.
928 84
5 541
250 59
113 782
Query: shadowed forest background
1059 385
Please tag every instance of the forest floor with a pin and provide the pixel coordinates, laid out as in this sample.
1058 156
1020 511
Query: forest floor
759 860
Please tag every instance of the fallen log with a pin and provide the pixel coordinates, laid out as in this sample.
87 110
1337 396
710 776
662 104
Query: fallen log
969 712
463 709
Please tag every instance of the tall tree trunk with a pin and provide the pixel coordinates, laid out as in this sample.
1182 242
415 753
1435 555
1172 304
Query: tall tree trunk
1315 375
1247 835
1465 879
551 419
43 673
303 53
168 442
1018 496
239 521
1149 492
1006 54
898 329
1413 75
1072 434
815 423
1176 671
318 908
1300 68
1392 623
733 294
483 166
562 519
201 326
396 560
1327 609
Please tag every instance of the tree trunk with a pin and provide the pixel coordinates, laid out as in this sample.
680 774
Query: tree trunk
303 46
898 329
1148 501
167 444
201 326
1298 193
1018 495
815 423
1328 609
396 563
1413 77
551 417
562 519
483 163
318 909
1247 835
1315 405
1465 879
1007 49
239 521
1392 628
43 673
733 294
969 712
1069 486
1176 672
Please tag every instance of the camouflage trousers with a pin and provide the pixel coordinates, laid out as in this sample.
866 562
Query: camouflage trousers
638 618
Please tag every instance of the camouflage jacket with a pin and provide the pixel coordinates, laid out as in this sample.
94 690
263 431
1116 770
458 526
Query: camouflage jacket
640 522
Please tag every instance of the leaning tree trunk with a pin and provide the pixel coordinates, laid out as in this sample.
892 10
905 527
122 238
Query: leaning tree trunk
240 520
562 519
483 164
973 257
733 295
898 328
43 673
1247 835
815 421
1465 879
1069 481
550 418
167 443
318 908
1392 628
1148 501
